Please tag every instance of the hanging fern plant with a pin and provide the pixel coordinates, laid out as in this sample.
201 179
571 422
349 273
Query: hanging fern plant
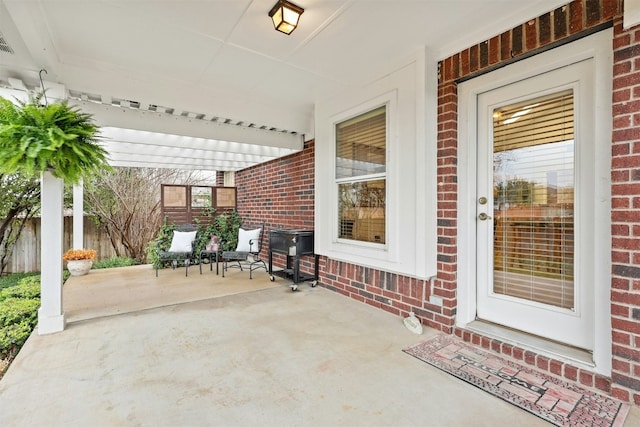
56 137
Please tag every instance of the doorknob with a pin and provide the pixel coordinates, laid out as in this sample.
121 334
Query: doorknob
483 216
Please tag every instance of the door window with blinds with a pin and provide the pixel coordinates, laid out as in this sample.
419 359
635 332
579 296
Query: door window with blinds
533 164
361 144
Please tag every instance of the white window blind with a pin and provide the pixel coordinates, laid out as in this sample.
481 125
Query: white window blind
534 199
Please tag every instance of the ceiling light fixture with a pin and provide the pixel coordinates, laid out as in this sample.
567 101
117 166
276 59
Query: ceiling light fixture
285 16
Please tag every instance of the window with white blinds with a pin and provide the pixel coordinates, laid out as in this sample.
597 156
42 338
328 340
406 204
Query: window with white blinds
533 155
361 144
534 122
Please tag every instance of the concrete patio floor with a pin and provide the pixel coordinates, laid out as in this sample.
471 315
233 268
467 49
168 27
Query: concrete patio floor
213 351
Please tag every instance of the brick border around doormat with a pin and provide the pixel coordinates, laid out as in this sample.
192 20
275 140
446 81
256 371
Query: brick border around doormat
548 397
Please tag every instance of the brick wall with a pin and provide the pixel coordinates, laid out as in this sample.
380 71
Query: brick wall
625 227
281 193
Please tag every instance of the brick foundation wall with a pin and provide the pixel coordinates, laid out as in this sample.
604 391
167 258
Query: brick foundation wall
390 292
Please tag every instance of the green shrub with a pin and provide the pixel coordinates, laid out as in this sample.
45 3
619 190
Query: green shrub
27 288
114 262
19 302
225 226
162 242
13 279
18 310
35 278
12 337
18 317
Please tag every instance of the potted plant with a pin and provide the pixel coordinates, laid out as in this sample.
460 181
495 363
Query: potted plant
55 137
79 261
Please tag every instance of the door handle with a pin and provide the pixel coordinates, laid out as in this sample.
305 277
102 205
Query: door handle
483 216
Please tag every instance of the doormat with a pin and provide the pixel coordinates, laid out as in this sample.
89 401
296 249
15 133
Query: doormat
552 399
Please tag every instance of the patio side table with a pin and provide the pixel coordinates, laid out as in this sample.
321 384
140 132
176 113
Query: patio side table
210 255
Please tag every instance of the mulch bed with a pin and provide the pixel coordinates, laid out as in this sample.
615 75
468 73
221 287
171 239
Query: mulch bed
6 360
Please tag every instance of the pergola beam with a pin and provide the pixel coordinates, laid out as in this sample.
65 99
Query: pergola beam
152 140
130 118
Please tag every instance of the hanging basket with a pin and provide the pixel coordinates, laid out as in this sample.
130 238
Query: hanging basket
55 137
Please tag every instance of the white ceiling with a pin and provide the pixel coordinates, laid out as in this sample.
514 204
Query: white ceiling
217 71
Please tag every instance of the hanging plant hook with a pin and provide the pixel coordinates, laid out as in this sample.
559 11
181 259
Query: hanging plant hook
46 102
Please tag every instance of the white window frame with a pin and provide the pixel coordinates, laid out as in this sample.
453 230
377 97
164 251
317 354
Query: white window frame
387 102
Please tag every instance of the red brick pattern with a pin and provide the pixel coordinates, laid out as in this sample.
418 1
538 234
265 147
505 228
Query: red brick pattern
525 39
279 193
625 215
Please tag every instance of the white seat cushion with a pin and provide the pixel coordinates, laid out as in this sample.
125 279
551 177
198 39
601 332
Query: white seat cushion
244 236
182 241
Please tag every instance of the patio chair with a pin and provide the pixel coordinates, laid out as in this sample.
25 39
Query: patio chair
247 252
182 248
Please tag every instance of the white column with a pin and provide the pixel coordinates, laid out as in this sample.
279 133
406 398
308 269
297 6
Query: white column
426 166
50 314
78 216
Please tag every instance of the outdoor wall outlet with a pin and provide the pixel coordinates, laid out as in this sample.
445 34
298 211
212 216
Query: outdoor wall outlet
436 300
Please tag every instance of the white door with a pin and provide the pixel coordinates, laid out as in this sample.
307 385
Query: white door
534 188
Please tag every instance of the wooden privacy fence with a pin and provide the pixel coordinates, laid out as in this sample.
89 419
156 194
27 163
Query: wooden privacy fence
27 250
187 204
